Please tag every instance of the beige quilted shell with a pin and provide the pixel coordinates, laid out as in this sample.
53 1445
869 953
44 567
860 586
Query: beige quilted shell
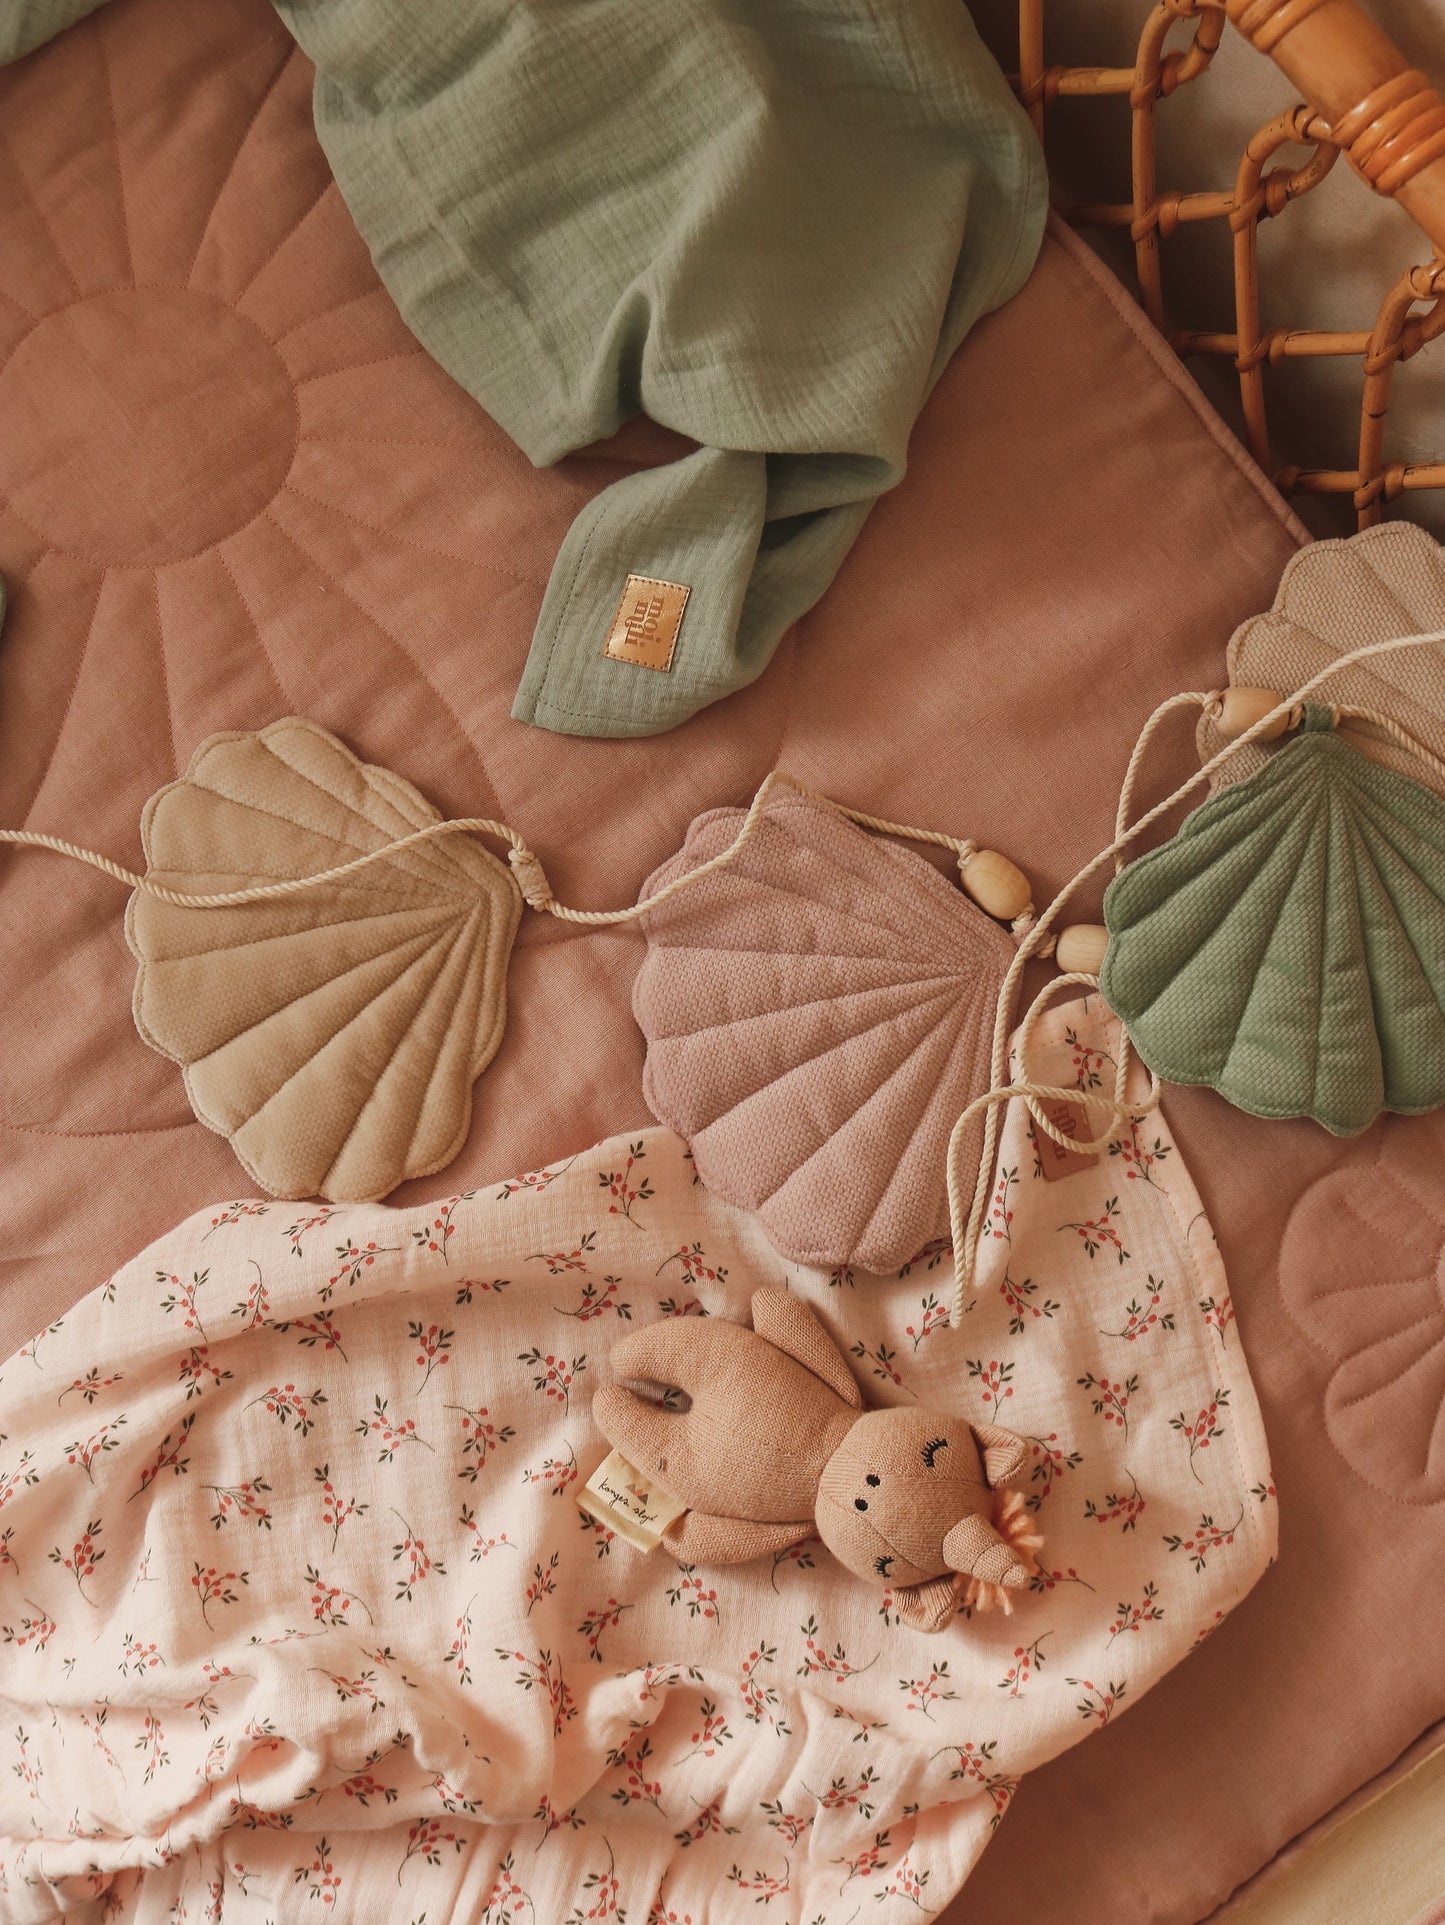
1335 595
332 1035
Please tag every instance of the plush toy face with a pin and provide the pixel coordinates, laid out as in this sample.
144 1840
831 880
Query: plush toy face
894 1489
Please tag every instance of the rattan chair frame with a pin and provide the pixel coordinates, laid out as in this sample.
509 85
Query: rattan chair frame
1362 101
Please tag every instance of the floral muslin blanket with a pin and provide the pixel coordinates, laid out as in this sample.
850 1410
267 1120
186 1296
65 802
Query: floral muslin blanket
299 1618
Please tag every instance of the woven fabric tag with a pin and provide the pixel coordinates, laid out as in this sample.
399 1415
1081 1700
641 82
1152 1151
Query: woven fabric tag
645 628
1054 1160
619 1496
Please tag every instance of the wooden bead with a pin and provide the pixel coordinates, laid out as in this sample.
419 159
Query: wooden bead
1241 708
998 886
1080 948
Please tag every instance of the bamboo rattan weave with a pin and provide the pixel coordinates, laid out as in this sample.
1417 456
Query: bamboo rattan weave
1362 100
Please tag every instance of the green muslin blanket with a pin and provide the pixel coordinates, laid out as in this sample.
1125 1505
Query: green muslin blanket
767 224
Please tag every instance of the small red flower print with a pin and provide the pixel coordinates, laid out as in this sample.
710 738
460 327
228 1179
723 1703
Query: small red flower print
789 1825
799 1555
596 1300
182 1297
255 1307
626 1194
543 1673
924 1693
1209 1629
1024 1302
1133 1617
1199 1432
364 1785
544 1580
696 1269
555 1472
482 1545
1000 1210
559 1262
29 1632
932 1316
696 1593
358 1690
1049 1460
235 1502
680 1307
303 1226
480 1437
84 1452
1088 1062
352 1261
764 1885
336 1510
599 1893
930 1256
436 1236
1043 1579
426 1839
470 1288
90 1385
293 1409
23 1475
233 1213
867 1861
1218 1316
416 1562
432 1344
534 1181
708 1735
457 1651
882 1361
637 1787
600 1619
319 1876
819 1661
849 1794
761 1702
554 1376
213 1586
1101 1232
311 1331
707 1824
1121 1508
1204 1540
331 1603
199 1374
82 1557
993 1378
906 1882
1027 1659
1100 1701
389 1433
152 1742
1263 1491
507 1900
1138 1158
1142 1314
972 1762
550 1819
600 1536
1111 1399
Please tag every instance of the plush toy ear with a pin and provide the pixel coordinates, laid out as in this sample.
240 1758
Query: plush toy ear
1004 1452
975 1548
928 1606
791 1326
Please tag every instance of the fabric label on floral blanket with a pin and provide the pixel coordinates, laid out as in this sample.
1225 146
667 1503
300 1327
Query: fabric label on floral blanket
299 1617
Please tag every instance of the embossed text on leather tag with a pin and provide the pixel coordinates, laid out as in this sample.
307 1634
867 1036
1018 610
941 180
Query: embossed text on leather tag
645 628
620 1497
1054 1160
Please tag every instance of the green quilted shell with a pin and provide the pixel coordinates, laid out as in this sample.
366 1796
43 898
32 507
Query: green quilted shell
1287 947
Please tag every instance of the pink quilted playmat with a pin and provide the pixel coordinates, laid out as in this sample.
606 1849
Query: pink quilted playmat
232 487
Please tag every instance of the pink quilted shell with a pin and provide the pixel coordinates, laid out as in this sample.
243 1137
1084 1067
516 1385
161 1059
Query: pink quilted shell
818 1014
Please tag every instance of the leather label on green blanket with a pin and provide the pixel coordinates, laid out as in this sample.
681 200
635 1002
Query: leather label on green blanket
619 1496
645 628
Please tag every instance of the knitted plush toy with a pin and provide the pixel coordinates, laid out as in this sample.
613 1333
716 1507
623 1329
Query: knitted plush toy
775 1447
